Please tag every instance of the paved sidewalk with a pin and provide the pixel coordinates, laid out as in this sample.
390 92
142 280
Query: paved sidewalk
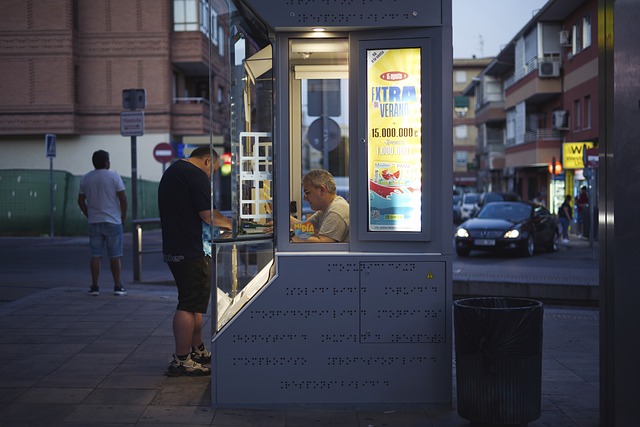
70 359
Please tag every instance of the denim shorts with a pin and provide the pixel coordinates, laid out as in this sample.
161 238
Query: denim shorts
105 232
193 279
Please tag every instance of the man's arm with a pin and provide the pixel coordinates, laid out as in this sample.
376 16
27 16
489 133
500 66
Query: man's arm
82 202
219 220
122 196
314 239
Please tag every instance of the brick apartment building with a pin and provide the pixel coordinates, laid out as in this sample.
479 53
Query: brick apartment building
538 101
65 63
465 133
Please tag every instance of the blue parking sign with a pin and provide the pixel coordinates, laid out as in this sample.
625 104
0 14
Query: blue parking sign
50 144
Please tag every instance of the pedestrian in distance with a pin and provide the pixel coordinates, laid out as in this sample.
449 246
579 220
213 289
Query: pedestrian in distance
539 199
184 201
565 214
582 204
103 201
330 221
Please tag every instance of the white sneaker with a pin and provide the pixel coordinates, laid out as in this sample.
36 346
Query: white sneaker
200 355
186 368
119 291
565 240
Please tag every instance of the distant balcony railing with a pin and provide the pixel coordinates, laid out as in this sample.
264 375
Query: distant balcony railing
495 147
190 100
535 135
541 135
493 137
190 116
519 73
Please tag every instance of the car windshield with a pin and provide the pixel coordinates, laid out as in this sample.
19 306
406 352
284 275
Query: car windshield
470 199
514 212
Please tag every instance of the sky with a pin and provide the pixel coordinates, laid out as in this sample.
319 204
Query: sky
483 27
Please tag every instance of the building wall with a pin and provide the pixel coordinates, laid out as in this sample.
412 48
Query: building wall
73 153
64 65
464 70
532 99
581 79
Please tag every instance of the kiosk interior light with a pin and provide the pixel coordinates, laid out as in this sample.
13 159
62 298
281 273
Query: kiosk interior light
320 45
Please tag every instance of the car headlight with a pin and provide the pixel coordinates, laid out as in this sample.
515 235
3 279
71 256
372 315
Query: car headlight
512 234
461 232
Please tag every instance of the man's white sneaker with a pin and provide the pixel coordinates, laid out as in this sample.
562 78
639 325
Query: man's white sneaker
200 354
119 292
186 368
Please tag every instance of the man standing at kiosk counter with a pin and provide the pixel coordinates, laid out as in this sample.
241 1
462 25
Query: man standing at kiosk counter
330 222
184 200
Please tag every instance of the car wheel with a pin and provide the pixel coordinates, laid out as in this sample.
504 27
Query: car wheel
530 248
553 243
462 252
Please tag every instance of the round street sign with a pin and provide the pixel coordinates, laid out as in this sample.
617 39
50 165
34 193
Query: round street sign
163 152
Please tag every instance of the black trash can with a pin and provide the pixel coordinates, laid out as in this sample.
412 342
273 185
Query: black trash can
498 343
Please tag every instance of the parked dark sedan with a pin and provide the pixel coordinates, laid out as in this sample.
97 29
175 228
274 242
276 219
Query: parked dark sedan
509 226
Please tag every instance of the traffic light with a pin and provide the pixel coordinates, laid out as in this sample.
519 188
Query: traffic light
225 168
555 168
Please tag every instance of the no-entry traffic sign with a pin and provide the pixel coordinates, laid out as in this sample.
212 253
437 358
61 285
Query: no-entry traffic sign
163 152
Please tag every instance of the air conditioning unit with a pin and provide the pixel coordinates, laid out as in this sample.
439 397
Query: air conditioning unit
561 120
548 68
565 40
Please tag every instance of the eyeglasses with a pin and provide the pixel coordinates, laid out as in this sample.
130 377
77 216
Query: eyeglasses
307 192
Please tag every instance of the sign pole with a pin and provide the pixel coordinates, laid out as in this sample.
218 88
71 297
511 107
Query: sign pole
132 124
51 220
553 185
50 150
134 209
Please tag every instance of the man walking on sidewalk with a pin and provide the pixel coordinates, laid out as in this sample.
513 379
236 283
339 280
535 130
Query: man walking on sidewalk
103 201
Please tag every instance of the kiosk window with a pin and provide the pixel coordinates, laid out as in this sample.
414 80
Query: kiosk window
319 138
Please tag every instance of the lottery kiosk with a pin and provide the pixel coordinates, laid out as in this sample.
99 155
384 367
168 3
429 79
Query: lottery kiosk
361 89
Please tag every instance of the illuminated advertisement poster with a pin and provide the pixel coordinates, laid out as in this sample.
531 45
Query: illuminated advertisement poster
394 112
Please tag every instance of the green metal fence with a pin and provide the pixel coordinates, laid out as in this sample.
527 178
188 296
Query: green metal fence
25 203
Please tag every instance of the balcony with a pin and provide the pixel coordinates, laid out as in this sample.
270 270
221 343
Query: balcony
529 87
520 73
538 147
190 116
542 135
190 53
536 135
491 112
494 148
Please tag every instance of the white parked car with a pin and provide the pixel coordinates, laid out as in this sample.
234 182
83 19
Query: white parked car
468 205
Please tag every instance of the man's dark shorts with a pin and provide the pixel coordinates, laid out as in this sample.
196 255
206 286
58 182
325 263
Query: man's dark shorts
193 278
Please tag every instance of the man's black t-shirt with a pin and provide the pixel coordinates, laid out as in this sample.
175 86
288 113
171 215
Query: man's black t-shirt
184 191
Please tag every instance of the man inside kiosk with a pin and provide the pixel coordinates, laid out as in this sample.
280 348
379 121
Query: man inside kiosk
330 221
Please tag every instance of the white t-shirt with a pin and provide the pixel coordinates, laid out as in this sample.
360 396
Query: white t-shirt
334 222
100 187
